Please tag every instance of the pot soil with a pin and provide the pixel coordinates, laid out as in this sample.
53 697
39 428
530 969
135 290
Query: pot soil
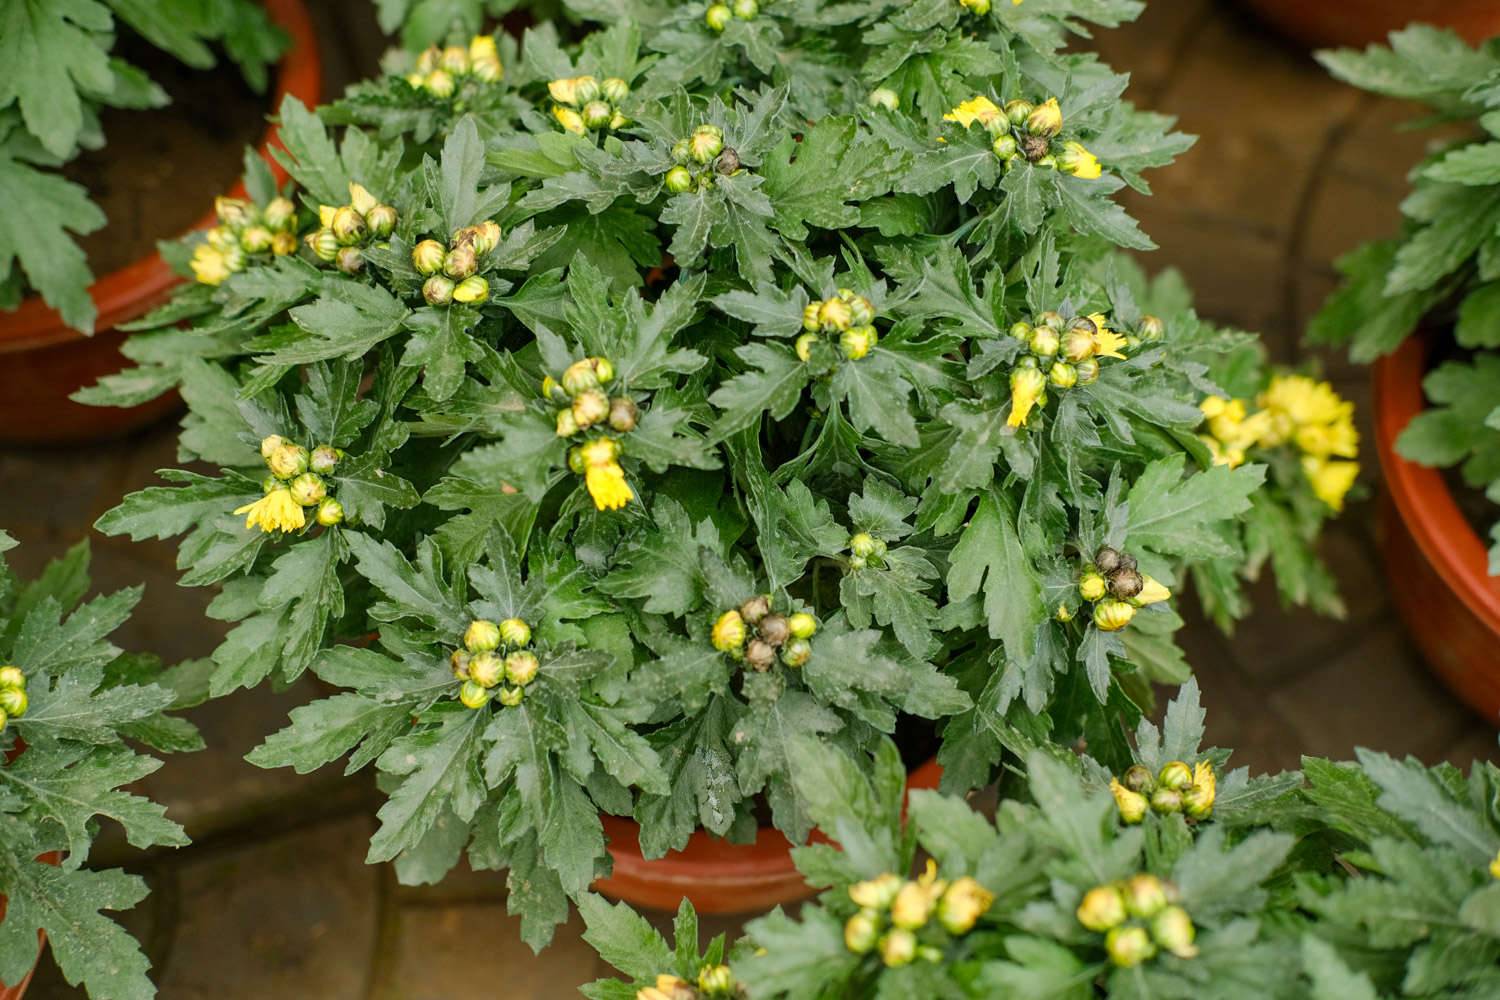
716 875
1437 563
1357 23
158 171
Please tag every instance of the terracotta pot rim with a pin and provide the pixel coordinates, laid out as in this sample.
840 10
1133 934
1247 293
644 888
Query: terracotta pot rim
1421 496
127 293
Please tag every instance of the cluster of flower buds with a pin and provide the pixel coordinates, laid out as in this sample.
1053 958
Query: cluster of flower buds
1023 132
1116 587
715 982
1178 788
754 633
1058 353
13 700
344 229
452 271
846 318
584 408
297 480
895 914
495 662
587 105
442 73
243 233
718 15
1138 917
698 157
865 549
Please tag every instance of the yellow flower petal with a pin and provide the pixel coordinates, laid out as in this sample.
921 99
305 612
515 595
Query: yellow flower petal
276 511
1152 592
606 484
325 215
1026 385
1330 479
570 120
361 199
209 265
1107 343
976 109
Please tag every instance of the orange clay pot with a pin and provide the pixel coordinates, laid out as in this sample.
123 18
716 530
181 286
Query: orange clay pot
719 877
1357 23
1437 563
43 360
53 858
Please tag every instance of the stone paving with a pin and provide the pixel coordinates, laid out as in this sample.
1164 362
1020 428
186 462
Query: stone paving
273 898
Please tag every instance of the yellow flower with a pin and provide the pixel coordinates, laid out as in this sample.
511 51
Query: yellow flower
1107 343
566 91
326 214
276 511
1223 454
210 266
1325 440
976 109
1026 385
570 120
607 486
1296 401
361 199
1075 159
1152 592
1330 478
1132 805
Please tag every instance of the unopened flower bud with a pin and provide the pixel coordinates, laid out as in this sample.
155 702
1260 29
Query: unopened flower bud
1138 778
728 162
912 906
876 893
861 311
1016 112
323 244
269 444
590 407
454 59
323 459
437 290
1044 342
1046 119
728 632
623 414
472 290
570 120
805 345
255 239
567 424
1091 586
460 262
682 151
382 220
1062 375
717 17
861 932
715 978
1166 800
884 97
1063 613
603 369
1125 583
427 257
857 341
1176 775
11 676
486 668
835 314
487 69
330 512
13 702
348 226
614 90
1132 805
1129 946
707 141
576 462
481 635
745 10
1144 896
1075 159
510 697
1151 328
679 180
796 652
580 376
898 947
1173 929
1004 146
1026 387
963 904
279 212
980 7
1151 592
521 667
4 721
760 654
596 114
1078 345
774 629
489 237
459 659
308 489
1102 908
440 84
287 460
802 625
515 633
1050 318
350 260
473 695
1088 371
1112 615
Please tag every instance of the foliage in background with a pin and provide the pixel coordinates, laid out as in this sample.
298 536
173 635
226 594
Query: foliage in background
58 73
1443 269
71 706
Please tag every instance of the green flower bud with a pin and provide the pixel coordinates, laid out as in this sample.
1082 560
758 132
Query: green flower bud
350 260
521 667
382 221
980 7
472 289
623 414
348 226
1152 328
486 668
679 180
567 424
488 236
596 114
1063 613
1004 145
858 562
1046 119
438 290
1173 929
717 17
440 84
1050 318
835 314
269 444
760 654
323 459
802 625
1144 896
473 696
427 257
861 931
862 544
309 489
1166 800
255 239
728 632
1088 371
682 151
614 90
11 676
1091 586
460 262
515 633
510 697
280 212
288 461
898 948
323 244
1102 908
481 636
1138 778
857 341
795 652
1045 162
455 59
805 345
603 369
1111 615
1129 946
1017 111
1063 375
861 311
590 407
707 141
576 462
746 10
1045 342
884 97
810 318
1175 775
13 702
330 512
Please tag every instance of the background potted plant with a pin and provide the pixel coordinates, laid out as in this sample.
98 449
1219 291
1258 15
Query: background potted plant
1423 306
71 705
62 74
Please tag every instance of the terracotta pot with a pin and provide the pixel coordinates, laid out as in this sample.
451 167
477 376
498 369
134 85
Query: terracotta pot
719 877
1437 563
42 360
1329 23
53 858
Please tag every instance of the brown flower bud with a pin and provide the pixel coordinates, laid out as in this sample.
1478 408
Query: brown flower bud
755 609
773 629
760 654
